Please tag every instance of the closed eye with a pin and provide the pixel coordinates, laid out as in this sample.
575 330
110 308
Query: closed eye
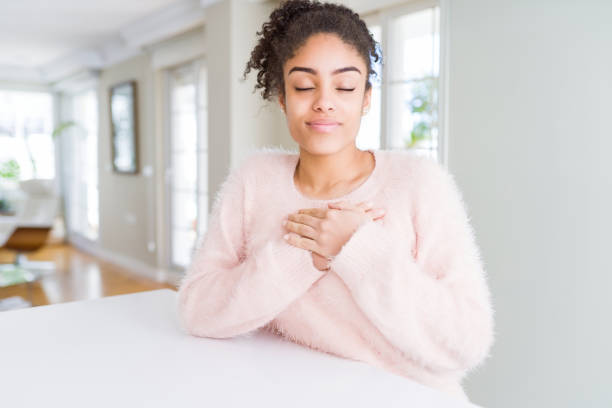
339 89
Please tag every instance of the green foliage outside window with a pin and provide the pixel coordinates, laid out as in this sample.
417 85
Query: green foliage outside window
423 109
9 170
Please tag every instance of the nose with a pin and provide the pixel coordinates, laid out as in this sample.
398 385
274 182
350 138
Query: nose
323 102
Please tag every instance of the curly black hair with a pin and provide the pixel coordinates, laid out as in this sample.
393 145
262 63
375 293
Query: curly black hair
290 25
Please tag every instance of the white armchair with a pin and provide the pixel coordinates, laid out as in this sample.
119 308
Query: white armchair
28 230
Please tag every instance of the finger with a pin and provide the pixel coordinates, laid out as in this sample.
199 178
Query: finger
378 218
306 219
301 242
316 212
301 229
376 213
341 205
337 206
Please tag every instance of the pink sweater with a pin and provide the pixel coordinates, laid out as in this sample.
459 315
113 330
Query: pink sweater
406 293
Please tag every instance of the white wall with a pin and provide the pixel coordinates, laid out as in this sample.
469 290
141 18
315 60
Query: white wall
255 121
530 87
127 211
239 120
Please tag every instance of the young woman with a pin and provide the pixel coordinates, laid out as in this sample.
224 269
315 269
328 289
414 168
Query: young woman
367 255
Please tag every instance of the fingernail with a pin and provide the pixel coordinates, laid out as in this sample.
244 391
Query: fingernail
284 222
286 236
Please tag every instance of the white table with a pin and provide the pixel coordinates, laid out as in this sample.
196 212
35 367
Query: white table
129 350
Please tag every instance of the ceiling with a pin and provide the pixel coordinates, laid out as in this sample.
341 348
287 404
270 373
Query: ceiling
44 41
37 32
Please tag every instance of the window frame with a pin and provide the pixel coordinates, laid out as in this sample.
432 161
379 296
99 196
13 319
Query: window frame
67 174
195 65
382 17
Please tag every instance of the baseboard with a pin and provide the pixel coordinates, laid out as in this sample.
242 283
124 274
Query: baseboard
132 265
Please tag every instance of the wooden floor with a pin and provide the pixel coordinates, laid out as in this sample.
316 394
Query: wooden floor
77 276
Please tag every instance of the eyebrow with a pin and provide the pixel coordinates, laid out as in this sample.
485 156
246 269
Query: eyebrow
314 72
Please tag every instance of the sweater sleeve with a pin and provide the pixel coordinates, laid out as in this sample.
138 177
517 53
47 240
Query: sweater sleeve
432 301
226 291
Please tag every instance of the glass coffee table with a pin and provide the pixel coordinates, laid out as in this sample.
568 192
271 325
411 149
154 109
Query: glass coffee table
10 275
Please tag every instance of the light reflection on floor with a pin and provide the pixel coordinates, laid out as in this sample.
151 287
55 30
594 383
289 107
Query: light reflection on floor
77 276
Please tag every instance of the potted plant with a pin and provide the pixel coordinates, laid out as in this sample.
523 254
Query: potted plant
9 173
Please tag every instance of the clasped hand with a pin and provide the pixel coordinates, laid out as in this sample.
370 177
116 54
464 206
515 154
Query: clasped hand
324 231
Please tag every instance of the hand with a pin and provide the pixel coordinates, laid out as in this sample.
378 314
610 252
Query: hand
324 231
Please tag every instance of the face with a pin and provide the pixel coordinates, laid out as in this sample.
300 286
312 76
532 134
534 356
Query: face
325 94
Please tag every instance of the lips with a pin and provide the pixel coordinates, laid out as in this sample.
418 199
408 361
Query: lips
323 126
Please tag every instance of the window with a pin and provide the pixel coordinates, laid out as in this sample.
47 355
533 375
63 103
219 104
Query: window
405 107
188 160
26 128
370 129
81 165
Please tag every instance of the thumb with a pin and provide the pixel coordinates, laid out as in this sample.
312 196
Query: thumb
365 205
340 205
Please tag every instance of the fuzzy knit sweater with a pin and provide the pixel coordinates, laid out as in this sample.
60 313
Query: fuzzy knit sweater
406 293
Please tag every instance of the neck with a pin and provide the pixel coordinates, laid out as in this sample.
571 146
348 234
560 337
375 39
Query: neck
321 174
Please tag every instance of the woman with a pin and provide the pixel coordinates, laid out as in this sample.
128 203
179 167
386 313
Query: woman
367 255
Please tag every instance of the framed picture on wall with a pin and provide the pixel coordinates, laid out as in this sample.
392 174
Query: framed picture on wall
124 127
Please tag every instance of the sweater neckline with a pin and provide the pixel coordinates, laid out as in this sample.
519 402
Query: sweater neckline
365 186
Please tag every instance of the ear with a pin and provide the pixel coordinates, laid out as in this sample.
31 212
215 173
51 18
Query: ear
281 102
367 98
